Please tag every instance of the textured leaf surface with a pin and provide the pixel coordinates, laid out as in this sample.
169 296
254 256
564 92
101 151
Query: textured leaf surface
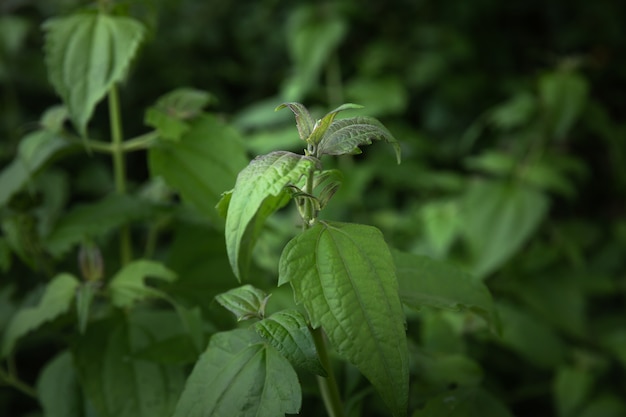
118 384
322 125
289 333
202 164
345 136
57 299
427 282
244 302
304 121
344 276
265 176
86 54
58 388
128 286
238 376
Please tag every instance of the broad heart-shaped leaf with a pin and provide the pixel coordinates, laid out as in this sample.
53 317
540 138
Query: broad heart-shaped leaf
170 113
427 282
128 286
344 276
289 333
345 136
116 383
322 125
304 121
244 302
496 219
202 164
58 388
240 376
57 299
86 54
265 177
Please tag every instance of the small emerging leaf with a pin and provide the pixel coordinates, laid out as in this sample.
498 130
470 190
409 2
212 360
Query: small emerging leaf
304 121
244 302
346 135
128 286
289 333
323 125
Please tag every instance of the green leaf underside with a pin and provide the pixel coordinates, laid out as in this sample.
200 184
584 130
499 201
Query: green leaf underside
202 164
289 333
86 54
238 376
266 176
427 282
304 121
344 276
244 302
57 299
58 388
345 136
117 384
128 286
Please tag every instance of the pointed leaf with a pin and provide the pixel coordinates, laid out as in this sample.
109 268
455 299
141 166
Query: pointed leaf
84 297
304 121
58 388
202 164
427 282
238 376
266 176
346 135
116 383
57 299
86 55
289 333
244 302
330 180
344 276
128 286
322 126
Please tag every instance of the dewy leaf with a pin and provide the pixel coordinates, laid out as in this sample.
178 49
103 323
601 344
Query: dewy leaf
86 55
345 136
266 176
202 164
128 286
322 126
427 282
118 384
289 333
58 388
244 302
344 276
238 376
57 299
304 121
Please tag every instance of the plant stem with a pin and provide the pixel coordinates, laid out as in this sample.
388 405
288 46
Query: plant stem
328 385
119 168
19 385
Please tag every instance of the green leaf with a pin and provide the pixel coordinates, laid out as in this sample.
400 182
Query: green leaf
90 221
497 218
344 276
203 164
86 55
346 135
128 286
464 402
117 384
35 150
58 388
238 376
259 191
171 111
57 299
381 96
84 298
563 95
441 225
322 125
571 387
330 180
427 282
244 302
304 121
289 333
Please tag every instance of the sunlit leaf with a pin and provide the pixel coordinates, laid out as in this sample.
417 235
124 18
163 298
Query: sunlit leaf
322 125
344 276
86 55
239 376
244 302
